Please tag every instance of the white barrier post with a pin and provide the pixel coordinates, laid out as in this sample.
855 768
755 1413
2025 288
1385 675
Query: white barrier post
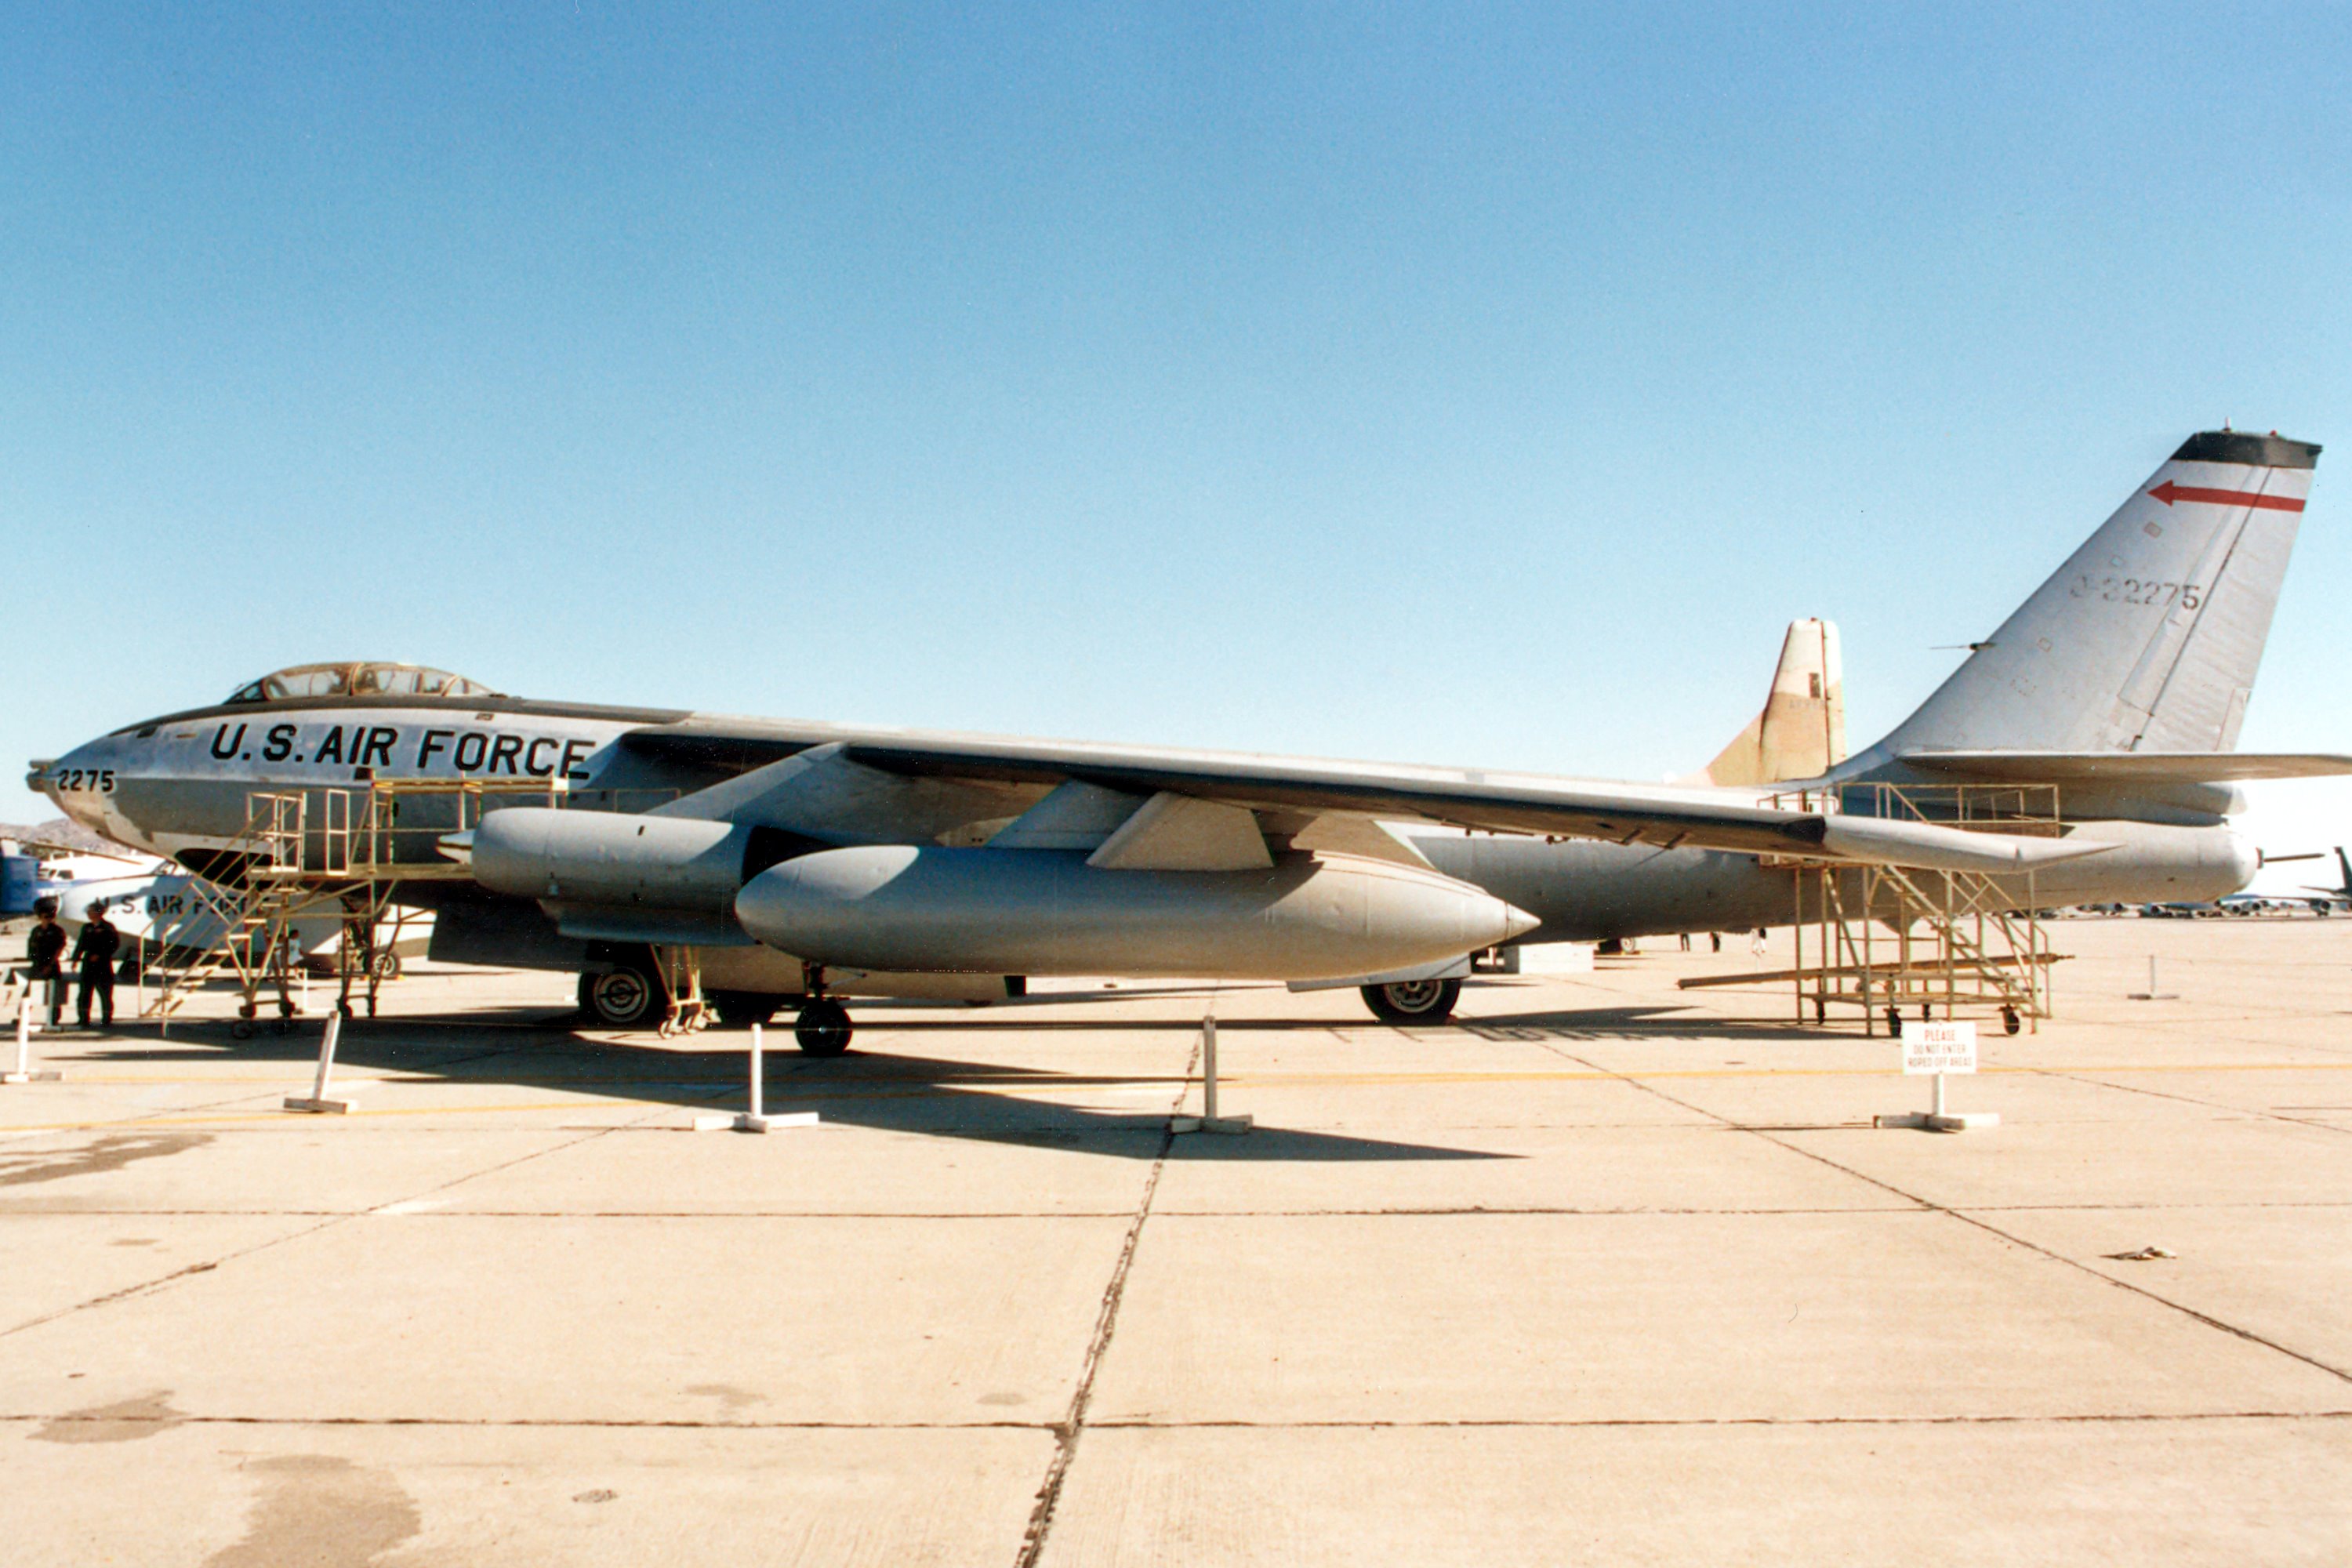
2152 993
24 1072
759 1067
1208 1070
1209 1121
318 1103
756 1119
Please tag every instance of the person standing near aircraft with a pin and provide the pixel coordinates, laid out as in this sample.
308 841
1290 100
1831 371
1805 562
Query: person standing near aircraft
45 945
93 955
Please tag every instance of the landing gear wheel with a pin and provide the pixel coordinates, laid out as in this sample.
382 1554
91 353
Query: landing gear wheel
241 1029
623 997
741 1009
387 965
1413 1000
2010 1022
823 1028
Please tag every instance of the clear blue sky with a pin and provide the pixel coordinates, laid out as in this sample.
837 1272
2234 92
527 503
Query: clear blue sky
1468 384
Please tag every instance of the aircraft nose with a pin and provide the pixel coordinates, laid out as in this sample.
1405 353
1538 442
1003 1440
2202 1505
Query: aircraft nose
75 781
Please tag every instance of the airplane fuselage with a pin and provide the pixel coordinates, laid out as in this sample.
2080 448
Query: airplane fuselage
180 785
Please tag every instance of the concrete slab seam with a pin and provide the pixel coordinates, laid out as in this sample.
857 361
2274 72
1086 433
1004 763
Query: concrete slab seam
208 1265
2074 1075
1118 1424
1067 1431
1967 1218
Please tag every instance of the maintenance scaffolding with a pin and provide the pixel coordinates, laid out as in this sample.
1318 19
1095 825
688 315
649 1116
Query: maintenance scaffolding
335 853
1886 938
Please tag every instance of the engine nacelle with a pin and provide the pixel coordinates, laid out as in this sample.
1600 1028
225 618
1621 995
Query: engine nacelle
1041 911
615 858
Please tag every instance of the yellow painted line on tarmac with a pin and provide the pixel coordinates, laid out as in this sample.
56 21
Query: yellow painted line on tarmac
152 1081
134 1124
1406 1078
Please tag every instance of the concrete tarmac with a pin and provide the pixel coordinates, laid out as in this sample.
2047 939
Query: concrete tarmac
1604 1272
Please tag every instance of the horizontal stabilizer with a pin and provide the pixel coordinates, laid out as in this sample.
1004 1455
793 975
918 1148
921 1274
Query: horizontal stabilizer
2146 768
1893 842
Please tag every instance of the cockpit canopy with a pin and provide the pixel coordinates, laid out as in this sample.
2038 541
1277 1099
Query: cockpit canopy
367 678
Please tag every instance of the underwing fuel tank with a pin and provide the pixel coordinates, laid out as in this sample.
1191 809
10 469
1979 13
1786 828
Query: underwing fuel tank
1041 911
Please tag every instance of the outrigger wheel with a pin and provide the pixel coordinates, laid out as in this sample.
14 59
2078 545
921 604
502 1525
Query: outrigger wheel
1413 1000
823 1029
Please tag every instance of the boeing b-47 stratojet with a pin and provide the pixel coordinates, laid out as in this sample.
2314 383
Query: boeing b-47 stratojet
805 861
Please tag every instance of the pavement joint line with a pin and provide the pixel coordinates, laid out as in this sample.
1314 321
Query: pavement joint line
1130 1424
2273 1113
1067 1431
1966 1218
209 1266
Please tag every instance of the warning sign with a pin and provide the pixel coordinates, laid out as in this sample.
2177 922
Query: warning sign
1939 1048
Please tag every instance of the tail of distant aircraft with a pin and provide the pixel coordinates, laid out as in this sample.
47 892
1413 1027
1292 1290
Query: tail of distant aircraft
2147 638
1801 733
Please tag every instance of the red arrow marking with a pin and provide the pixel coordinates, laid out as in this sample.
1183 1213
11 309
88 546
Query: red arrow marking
2169 492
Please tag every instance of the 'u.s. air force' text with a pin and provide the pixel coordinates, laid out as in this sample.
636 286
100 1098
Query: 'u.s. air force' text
432 750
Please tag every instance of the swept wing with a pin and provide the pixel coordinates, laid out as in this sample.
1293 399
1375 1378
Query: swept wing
1312 789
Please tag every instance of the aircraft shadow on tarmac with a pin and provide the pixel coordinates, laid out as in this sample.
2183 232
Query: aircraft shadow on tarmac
885 1091
1647 1024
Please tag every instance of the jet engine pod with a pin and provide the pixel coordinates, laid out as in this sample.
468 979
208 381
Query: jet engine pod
1042 912
611 857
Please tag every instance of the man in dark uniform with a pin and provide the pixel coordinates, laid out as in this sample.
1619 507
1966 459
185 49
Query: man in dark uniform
44 945
94 956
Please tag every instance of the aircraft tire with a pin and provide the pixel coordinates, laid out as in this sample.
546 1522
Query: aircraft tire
387 964
823 1029
741 1009
1413 1000
625 996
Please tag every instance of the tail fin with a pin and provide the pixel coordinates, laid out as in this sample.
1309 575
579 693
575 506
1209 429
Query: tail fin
2148 637
1801 733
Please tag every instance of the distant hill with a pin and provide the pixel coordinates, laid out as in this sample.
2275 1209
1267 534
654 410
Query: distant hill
65 833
